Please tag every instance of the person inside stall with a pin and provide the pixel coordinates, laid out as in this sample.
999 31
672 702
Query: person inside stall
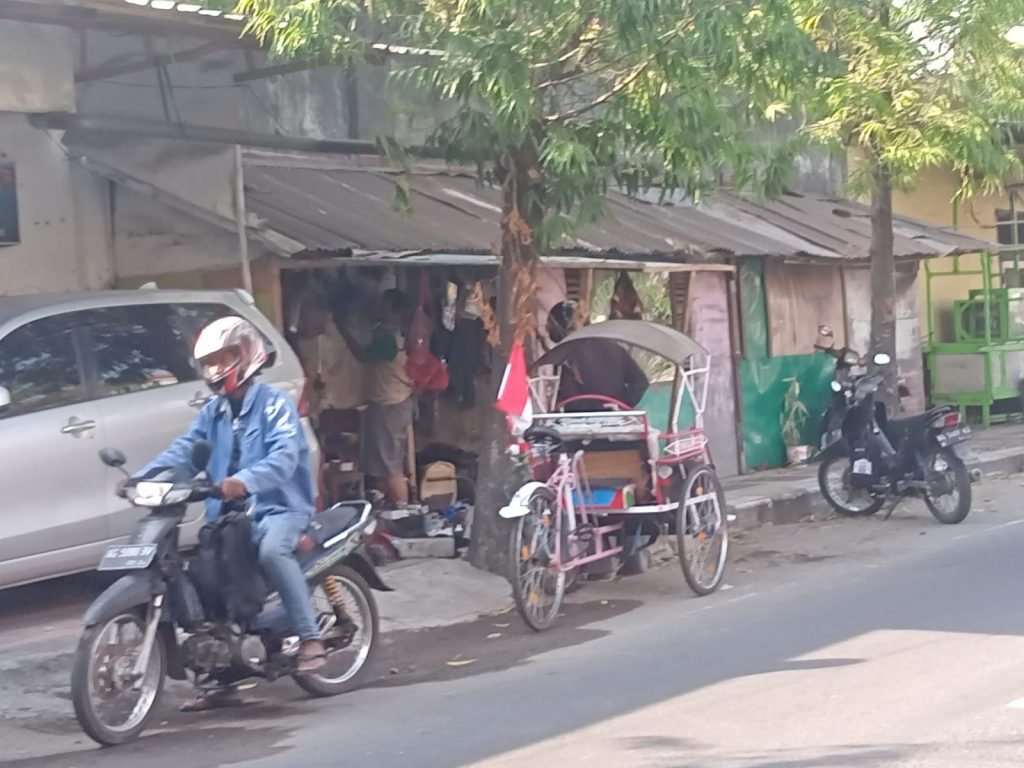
594 366
389 392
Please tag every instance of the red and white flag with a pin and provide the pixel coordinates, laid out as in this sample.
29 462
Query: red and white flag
514 393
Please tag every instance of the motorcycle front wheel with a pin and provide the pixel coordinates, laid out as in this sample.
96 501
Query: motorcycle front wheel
112 704
834 483
948 486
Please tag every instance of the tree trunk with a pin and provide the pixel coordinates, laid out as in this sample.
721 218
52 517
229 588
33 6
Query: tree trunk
883 285
496 480
488 548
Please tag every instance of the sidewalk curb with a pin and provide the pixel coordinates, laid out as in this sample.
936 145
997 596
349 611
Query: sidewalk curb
799 503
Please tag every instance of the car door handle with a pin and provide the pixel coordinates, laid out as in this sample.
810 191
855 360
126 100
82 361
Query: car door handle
77 427
200 400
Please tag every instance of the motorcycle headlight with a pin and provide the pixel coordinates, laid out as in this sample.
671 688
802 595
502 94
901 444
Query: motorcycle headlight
148 494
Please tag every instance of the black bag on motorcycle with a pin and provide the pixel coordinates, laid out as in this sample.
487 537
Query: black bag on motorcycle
230 580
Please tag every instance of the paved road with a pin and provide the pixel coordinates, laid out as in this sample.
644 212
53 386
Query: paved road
851 643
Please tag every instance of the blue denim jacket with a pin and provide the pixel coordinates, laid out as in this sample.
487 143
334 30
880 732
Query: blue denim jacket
274 458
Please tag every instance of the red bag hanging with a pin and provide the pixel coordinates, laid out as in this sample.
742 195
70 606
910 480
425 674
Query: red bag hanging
427 372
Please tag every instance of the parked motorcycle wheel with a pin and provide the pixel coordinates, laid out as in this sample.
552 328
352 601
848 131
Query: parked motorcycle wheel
948 495
111 707
834 483
346 668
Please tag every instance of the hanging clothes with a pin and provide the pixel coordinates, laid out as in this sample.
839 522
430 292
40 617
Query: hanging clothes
463 350
427 372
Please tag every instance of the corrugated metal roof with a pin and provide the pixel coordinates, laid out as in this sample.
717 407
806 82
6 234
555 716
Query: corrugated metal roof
329 206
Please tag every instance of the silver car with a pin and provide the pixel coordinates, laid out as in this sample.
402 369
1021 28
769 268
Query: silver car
80 372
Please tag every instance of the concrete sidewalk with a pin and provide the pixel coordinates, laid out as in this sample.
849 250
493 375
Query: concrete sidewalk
791 494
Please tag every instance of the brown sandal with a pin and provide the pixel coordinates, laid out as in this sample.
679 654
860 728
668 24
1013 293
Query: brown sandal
312 657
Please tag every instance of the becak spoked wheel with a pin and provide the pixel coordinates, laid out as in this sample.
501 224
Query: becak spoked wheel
702 530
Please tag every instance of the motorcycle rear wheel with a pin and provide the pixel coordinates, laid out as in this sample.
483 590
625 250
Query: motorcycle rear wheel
943 465
336 678
834 478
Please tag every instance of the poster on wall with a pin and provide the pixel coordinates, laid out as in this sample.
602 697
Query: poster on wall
9 234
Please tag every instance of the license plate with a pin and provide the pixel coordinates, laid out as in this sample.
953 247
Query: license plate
862 467
128 557
955 435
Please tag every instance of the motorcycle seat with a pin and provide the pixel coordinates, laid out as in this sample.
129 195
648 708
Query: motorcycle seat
329 524
898 429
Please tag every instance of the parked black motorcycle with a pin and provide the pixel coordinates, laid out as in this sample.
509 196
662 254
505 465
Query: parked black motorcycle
880 459
132 637
848 361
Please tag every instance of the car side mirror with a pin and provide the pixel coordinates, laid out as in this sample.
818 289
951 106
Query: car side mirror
113 458
5 398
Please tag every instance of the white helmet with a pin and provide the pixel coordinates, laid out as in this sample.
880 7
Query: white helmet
230 351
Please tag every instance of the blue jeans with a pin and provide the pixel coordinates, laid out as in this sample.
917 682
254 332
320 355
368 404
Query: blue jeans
276 536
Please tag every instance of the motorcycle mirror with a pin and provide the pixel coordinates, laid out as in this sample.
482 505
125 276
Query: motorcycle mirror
5 398
201 453
113 458
881 358
837 387
826 331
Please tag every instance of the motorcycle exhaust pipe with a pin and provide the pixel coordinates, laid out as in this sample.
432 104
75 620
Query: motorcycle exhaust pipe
976 474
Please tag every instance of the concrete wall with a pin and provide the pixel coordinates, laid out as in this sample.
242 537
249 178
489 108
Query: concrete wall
313 103
36 68
931 200
62 221
151 238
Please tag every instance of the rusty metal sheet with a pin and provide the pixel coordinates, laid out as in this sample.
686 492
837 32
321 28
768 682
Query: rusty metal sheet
329 206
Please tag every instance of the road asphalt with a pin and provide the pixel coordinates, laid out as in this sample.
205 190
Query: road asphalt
833 644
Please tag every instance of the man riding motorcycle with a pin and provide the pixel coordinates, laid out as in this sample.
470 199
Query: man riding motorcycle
259 451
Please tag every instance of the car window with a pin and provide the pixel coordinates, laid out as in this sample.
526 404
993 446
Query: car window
137 348
195 317
39 367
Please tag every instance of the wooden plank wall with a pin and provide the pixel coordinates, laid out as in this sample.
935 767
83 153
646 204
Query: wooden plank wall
800 298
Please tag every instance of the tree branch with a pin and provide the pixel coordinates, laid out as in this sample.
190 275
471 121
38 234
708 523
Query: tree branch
604 98
582 73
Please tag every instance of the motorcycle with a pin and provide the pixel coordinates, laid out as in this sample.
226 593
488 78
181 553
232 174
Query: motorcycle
151 624
879 459
848 362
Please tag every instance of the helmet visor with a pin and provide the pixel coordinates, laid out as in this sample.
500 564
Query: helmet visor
218 365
